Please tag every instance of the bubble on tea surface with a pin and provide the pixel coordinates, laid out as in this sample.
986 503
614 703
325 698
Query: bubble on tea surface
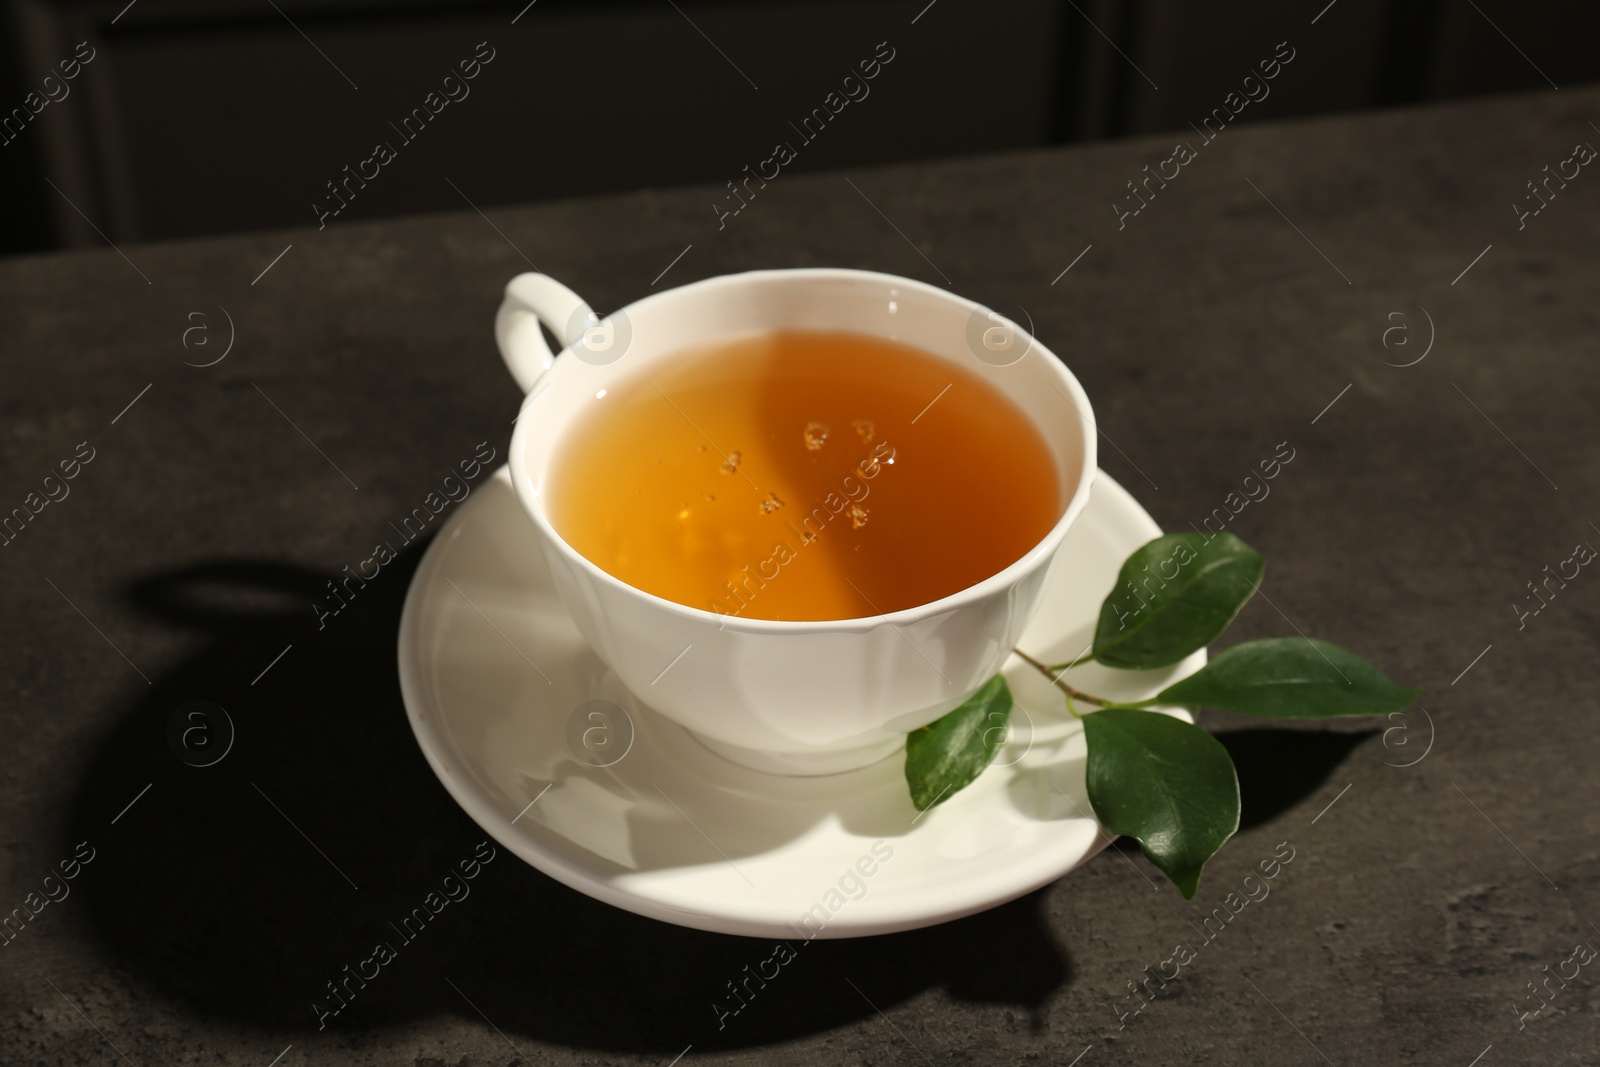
731 464
858 516
771 504
815 436
710 498
865 429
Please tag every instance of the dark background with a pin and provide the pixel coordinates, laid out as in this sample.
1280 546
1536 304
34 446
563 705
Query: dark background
1434 883
199 118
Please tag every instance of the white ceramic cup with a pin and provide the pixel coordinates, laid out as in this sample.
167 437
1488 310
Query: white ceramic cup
785 697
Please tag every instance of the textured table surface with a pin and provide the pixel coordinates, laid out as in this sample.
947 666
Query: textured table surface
1439 866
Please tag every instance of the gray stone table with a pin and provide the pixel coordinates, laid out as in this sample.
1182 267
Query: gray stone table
1441 862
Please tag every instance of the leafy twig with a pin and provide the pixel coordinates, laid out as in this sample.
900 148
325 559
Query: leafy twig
1056 680
1160 779
1054 674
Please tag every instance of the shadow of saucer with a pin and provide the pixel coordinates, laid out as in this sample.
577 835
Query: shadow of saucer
252 891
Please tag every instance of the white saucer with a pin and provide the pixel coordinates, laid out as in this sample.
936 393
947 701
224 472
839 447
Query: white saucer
493 674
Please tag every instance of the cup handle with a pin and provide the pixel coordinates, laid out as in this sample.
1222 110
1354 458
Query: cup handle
532 299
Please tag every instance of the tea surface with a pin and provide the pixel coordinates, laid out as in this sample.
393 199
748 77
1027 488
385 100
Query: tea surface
804 475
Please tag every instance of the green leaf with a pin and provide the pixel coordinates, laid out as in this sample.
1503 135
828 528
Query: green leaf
945 756
1173 596
1166 783
1290 678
